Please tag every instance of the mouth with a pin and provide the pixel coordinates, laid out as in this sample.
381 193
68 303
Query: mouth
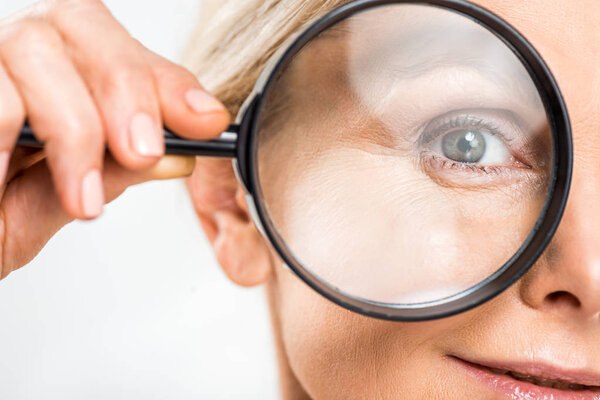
521 381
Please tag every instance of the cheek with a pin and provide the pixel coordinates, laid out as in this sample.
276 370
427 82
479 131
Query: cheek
338 354
376 227
333 352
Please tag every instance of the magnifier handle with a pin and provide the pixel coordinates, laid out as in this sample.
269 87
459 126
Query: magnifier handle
223 146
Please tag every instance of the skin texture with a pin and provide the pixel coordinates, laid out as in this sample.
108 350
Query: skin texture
550 316
79 103
325 352
360 189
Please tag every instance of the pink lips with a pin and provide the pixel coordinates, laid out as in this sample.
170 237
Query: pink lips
515 381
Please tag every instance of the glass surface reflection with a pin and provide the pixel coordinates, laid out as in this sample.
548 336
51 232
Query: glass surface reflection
404 154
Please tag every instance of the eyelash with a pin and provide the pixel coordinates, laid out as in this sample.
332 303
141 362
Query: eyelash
436 128
455 165
462 121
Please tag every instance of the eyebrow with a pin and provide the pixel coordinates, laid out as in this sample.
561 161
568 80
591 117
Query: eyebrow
416 53
428 50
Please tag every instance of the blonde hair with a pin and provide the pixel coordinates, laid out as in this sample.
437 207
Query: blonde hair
231 45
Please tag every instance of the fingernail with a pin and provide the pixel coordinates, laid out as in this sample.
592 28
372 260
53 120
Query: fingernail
146 138
92 194
202 102
4 157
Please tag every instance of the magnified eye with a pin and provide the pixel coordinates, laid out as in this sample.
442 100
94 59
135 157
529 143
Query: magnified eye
472 140
472 146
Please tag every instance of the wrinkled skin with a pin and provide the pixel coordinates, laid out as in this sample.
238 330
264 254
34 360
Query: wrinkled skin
550 316
79 104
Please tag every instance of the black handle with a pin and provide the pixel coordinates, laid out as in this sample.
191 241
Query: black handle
224 146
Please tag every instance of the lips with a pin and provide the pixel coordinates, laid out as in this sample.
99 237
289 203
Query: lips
526 381
536 380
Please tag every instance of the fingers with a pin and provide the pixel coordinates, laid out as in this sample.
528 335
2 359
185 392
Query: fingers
32 193
117 178
136 90
127 100
119 78
83 82
61 112
12 117
187 108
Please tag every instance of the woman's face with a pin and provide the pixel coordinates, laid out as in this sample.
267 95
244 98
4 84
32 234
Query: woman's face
540 338
547 325
404 155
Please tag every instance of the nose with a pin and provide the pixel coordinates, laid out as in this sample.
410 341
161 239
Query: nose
566 279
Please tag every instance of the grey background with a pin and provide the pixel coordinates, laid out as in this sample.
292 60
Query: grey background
133 305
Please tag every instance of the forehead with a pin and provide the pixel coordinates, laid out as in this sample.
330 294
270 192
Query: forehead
553 25
567 35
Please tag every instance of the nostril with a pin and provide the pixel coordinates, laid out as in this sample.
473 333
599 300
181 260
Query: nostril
562 297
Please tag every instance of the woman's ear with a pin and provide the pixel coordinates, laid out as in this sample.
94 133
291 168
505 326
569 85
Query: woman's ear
219 201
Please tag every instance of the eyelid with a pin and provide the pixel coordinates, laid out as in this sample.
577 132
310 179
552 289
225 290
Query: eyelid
499 122
459 119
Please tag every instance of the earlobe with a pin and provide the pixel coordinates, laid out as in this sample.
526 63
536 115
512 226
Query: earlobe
220 204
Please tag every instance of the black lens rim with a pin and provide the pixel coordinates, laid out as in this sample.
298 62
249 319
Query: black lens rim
538 239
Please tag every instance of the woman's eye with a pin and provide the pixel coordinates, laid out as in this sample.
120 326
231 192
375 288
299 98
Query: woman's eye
472 146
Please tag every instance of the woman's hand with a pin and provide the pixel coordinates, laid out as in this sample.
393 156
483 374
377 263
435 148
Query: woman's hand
83 83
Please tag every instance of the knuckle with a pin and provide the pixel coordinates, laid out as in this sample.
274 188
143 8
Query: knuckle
12 116
35 35
126 78
72 13
76 5
12 119
81 133
167 71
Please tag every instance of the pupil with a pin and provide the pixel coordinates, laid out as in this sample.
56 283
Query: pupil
465 146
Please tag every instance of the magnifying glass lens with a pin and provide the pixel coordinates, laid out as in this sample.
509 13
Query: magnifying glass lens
404 155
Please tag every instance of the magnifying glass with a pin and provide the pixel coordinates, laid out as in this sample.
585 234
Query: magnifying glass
408 160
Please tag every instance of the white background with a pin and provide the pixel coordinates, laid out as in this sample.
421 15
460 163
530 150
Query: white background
133 306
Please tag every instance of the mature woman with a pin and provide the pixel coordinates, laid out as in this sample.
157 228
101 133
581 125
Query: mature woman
83 83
